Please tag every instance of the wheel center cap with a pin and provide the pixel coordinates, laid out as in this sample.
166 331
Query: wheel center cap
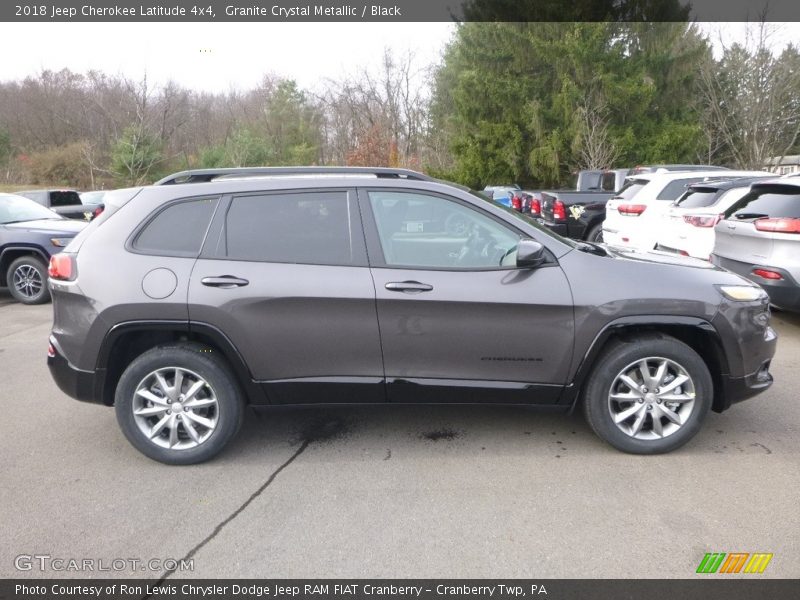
650 398
177 407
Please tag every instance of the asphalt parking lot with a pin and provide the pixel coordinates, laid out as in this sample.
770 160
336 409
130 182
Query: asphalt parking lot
393 491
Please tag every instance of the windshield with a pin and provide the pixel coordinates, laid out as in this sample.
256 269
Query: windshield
15 209
698 197
631 188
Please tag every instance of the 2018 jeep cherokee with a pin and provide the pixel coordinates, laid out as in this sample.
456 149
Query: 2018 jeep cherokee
183 303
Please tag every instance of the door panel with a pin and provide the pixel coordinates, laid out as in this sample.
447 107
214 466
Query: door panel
308 332
458 322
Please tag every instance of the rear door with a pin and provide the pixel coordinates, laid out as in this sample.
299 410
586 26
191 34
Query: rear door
459 322
284 275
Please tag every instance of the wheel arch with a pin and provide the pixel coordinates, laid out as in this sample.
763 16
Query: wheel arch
125 341
697 333
11 253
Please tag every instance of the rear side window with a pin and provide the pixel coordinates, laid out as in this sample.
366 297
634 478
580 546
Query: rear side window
780 202
698 198
609 182
178 230
65 199
630 189
675 188
305 228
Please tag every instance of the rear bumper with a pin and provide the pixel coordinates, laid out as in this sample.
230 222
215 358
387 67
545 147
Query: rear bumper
81 385
559 228
783 293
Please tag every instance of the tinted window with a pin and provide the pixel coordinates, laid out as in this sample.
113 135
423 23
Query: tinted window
64 198
675 188
178 230
630 189
698 198
309 228
776 202
609 181
417 230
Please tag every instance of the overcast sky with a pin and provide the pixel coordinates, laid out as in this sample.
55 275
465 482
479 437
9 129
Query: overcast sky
218 56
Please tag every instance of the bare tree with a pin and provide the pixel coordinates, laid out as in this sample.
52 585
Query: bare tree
595 149
752 99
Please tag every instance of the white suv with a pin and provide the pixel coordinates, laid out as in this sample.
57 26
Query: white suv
635 217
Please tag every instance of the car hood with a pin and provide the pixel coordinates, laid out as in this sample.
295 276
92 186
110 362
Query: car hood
656 256
68 226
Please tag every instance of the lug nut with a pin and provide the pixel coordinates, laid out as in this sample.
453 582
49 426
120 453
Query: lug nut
644 389
641 400
655 391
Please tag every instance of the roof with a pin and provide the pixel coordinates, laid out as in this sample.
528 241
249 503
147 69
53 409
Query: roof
789 159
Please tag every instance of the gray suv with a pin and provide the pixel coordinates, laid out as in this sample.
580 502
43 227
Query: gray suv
185 302
759 238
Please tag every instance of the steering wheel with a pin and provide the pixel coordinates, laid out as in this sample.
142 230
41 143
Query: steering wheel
476 245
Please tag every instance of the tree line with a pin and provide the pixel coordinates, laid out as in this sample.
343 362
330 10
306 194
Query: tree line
528 102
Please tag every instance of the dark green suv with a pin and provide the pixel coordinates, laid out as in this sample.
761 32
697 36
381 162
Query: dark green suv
184 302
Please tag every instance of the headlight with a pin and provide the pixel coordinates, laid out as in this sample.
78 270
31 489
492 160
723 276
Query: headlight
60 242
741 293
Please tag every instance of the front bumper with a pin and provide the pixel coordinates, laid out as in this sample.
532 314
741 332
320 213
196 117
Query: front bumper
737 389
81 385
783 293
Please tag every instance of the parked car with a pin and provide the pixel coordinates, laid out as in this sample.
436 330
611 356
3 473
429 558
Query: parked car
634 216
577 215
759 238
641 169
67 203
688 225
94 201
601 180
181 304
29 235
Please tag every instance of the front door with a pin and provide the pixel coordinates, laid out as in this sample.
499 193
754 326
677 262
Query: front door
459 321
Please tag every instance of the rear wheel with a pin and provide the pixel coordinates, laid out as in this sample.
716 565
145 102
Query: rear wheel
27 280
648 396
595 234
178 405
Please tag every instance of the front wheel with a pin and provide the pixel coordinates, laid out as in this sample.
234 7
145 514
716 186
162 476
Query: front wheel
179 404
648 396
27 280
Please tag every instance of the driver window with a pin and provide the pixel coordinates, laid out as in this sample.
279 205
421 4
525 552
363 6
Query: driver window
418 230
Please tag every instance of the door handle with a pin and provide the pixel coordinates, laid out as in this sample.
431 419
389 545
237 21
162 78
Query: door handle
224 281
409 287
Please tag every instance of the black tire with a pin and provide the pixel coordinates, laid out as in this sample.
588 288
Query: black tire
620 358
27 280
192 359
595 234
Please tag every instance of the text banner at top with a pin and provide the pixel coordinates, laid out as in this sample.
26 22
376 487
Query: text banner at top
399 10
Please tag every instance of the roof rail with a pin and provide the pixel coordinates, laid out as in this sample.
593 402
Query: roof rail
206 175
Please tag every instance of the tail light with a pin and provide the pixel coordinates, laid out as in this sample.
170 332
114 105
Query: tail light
702 220
778 225
97 211
516 202
536 207
767 274
51 350
559 211
631 210
62 267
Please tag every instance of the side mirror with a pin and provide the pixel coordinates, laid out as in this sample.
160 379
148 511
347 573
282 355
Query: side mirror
530 254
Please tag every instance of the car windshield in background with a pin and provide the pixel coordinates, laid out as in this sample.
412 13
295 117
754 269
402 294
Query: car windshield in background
782 202
92 197
698 198
15 209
